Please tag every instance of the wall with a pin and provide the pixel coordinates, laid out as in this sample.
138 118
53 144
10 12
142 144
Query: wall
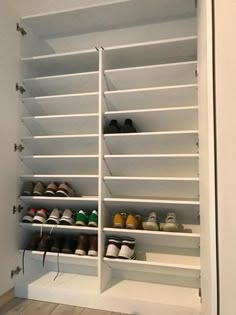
225 14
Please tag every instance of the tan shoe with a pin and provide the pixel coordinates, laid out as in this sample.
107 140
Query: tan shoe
119 220
133 222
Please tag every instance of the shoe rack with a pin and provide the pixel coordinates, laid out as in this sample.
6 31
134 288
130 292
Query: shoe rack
138 61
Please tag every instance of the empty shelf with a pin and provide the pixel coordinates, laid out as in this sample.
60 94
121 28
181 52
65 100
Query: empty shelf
62 124
174 142
107 16
148 76
62 84
84 103
153 165
70 144
65 164
153 187
153 97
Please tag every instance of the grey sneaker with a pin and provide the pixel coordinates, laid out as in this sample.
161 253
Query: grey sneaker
67 218
51 190
39 189
65 190
40 217
170 224
54 216
151 222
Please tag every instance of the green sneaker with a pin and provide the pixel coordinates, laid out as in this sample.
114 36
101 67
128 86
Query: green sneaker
81 218
93 219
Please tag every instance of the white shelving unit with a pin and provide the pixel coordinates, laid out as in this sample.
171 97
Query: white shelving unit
81 68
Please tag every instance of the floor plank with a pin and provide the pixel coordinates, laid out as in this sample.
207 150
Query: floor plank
67 310
15 306
88 311
35 307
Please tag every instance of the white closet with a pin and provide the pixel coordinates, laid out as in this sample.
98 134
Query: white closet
150 61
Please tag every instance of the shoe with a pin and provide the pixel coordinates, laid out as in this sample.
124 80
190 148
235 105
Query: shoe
33 242
93 245
45 243
128 127
93 219
170 224
68 245
56 245
133 222
40 217
119 220
81 218
151 222
113 247
28 217
82 245
64 190
54 216
51 190
127 250
113 127
67 218
39 189
27 189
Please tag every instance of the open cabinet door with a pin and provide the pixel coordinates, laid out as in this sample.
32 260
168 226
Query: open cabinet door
9 107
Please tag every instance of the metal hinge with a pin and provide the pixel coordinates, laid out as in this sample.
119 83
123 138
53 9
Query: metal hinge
20 88
196 3
200 294
17 209
16 271
196 73
18 147
21 29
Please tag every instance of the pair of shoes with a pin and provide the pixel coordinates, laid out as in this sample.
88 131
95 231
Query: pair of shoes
87 245
121 221
114 127
170 225
121 248
83 219
56 217
52 190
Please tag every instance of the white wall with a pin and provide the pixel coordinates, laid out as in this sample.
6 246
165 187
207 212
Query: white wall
226 136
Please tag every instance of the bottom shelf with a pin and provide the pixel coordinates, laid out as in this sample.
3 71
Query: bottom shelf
130 297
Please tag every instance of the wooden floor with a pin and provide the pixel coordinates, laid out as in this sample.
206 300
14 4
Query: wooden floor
15 306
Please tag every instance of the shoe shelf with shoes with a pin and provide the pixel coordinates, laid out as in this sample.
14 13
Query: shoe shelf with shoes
59 186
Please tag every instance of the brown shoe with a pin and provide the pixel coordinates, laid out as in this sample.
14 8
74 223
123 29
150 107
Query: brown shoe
65 190
119 220
133 222
51 189
39 189
82 245
93 245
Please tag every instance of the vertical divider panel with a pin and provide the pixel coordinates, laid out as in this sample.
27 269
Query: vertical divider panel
104 271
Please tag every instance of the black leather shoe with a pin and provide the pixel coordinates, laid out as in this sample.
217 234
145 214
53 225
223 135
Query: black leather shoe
128 126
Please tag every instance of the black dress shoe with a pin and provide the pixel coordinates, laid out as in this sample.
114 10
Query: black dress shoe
113 127
128 126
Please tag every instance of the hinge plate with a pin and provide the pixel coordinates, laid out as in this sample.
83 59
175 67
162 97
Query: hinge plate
200 294
21 29
18 209
15 272
18 147
196 3
20 88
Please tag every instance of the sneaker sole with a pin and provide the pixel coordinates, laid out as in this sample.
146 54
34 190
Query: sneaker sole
118 225
49 193
152 226
38 219
131 227
80 223
52 221
92 253
93 224
27 219
80 252
133 257
61 193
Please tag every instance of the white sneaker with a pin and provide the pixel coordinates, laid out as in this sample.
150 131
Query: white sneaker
127 250
170 224
151 222
113 247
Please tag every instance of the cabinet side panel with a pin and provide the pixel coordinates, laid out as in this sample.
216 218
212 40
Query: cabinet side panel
9 104
225 53
207 165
